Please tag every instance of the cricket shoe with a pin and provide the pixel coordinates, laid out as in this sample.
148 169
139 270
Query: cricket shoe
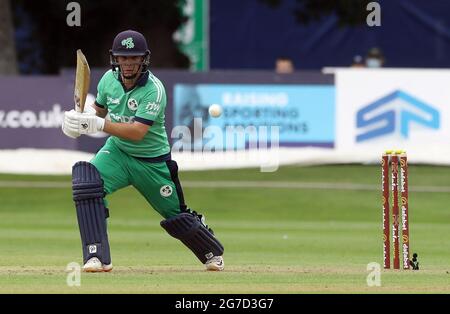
215 263
93 265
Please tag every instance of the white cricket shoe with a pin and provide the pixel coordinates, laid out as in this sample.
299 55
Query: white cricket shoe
215 263
93 265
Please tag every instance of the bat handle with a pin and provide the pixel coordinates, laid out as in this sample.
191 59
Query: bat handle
77 101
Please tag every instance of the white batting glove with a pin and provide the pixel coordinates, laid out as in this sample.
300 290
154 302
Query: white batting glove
67 132
83 123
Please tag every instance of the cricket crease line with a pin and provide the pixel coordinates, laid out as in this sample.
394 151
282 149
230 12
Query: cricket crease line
244 184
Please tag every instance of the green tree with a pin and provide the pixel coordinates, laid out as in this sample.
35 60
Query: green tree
101 20
8 63
349 12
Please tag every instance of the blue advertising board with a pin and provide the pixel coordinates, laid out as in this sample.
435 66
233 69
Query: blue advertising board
304 115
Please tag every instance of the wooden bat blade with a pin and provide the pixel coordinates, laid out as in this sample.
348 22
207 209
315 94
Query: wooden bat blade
82 81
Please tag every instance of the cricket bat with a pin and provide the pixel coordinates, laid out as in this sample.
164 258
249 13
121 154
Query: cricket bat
82 80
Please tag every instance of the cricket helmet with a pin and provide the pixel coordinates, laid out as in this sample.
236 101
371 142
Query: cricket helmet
129 43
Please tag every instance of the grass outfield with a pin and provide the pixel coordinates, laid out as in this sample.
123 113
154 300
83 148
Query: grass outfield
279 238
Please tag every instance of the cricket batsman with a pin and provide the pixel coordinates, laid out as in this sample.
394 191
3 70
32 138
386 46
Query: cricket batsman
137 153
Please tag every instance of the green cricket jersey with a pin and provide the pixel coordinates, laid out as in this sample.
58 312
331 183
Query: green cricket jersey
145 103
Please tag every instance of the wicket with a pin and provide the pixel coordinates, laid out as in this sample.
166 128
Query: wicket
393 158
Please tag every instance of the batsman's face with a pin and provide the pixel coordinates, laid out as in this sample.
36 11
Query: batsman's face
129 65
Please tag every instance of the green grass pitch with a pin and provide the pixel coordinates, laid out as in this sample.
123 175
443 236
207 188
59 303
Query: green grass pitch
282 233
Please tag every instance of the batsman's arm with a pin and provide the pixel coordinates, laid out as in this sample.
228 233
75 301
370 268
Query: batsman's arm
129 131
100 111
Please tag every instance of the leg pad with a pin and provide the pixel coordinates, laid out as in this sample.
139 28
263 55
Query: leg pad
188 228
88 193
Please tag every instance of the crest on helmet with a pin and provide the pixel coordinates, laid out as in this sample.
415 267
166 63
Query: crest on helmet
128 43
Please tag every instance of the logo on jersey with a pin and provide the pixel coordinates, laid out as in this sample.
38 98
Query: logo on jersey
128 43
122 119
165 191
152 107
132 104
113 101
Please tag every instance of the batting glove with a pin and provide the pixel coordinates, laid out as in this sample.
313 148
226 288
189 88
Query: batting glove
67 132
83 123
